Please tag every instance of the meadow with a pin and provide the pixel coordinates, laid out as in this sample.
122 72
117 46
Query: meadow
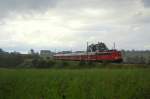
75 83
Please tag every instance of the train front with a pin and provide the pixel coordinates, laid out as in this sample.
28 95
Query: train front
104 54
116 56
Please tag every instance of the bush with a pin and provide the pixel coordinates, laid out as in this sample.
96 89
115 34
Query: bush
82 63
64 64
26 64
91 64
51 63
41 63
105 63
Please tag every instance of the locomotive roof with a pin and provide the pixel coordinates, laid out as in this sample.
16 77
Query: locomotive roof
85 53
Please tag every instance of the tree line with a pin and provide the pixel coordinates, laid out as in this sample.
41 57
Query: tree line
31 60
136 57
34 60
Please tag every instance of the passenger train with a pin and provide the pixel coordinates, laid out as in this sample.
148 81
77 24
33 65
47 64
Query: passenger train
95 52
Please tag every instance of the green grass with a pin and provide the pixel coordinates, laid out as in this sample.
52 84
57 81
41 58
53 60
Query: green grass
75 84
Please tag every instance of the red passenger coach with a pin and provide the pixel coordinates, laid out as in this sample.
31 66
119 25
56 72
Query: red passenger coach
95 52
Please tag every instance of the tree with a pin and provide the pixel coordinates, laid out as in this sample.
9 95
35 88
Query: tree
31 52
1 51
142 60
148 60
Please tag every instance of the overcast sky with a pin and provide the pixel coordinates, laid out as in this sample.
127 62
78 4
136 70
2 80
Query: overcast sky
69 24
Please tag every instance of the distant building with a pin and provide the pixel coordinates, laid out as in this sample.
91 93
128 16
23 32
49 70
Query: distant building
46 53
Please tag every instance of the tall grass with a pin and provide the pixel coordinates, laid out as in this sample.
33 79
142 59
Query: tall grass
75 84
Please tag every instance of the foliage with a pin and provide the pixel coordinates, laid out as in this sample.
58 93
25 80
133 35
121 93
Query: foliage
64 64
34 60
10 59
136 57
82 63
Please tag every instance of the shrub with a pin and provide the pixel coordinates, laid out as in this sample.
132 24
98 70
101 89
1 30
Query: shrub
82 63
91 64
51 63
64 64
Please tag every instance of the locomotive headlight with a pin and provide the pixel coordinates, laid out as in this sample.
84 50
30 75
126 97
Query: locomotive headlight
116 57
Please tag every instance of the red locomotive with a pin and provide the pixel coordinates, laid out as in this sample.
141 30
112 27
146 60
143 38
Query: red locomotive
95 52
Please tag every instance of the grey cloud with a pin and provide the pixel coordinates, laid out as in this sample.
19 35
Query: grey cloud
140 18
96 3
20 6
146 3
116 25
26 6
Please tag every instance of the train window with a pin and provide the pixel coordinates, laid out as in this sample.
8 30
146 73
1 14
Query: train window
103 53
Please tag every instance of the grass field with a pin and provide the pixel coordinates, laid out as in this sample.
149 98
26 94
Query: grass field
75 84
